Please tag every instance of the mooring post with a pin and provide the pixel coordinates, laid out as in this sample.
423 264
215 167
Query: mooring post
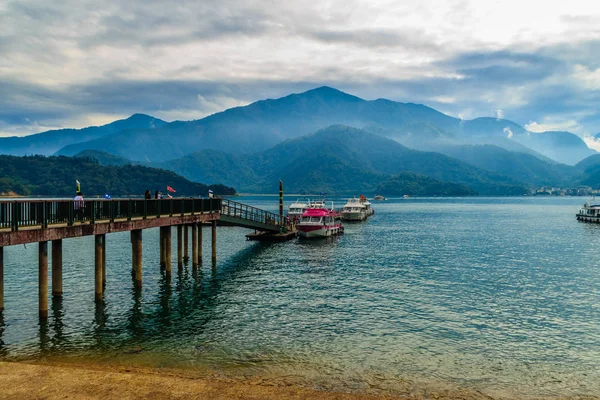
98 267
103 260
179 247
200 243
57 284
1 279
214 242
43 279
186 257
136 253
195 245
168 250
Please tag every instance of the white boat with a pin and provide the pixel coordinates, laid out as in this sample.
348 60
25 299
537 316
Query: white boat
319 223
297 208
589 213
379 197
357 209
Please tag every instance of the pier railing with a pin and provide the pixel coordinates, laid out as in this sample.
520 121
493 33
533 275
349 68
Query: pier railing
29 213
248 216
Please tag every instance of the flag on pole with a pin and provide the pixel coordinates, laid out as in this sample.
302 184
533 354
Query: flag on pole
170 189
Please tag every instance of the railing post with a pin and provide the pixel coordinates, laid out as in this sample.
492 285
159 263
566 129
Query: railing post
112 211
15 217
171 207
44 215
71 213
129 210
93 211
145 208
182 206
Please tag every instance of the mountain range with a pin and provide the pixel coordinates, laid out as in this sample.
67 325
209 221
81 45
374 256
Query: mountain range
358 144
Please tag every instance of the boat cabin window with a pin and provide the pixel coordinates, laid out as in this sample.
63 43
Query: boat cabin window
310 219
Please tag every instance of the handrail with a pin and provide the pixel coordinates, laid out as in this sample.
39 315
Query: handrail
243 211
15 214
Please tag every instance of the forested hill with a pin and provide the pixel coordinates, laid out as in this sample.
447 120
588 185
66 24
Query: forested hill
55 176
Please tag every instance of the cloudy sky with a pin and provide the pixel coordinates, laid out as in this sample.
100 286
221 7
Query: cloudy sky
76 63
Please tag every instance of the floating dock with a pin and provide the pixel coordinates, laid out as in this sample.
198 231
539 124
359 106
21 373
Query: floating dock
271 237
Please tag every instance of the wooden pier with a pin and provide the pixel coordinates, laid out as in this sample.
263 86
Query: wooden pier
44 221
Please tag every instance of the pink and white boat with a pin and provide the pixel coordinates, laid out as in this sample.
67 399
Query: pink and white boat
319 222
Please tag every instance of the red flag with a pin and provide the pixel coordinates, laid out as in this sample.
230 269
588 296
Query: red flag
170 189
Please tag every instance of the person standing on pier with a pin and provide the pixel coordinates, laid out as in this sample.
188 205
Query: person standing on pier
78 204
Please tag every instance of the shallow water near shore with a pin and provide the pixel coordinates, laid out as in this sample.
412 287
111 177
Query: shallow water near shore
498 295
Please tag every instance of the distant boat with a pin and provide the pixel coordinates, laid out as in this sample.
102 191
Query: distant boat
357 209
589 213
319 222
405 196
379 197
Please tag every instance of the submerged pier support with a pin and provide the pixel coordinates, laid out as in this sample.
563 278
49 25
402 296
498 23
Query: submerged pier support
136 256
43 279
57 284
163 257
98 267
200 243
214 242
186 256
179 246
103 260
168 249
195 245
1 279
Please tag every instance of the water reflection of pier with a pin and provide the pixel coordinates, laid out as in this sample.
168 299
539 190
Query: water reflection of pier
183 307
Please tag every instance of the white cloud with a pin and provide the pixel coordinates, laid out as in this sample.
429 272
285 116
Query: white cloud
592 142
509 133
569 126
67 45
499 114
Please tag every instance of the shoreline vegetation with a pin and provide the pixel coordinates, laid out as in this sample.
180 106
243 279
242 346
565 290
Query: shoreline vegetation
50 380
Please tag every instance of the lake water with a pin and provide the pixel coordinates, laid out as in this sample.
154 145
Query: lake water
500 295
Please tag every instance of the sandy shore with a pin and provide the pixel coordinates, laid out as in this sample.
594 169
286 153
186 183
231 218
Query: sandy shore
40 381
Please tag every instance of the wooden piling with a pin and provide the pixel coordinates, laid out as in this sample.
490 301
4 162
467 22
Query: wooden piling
179 246
195 245
43 279
200 243
168 249
162 247
98 267
103 260
1 279
136 253
57 284
214 241
186 257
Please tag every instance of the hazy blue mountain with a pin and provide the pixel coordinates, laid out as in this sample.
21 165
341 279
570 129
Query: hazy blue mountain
588 162
49 142
261 125
411 184
338 159
563 147
522 167
104 158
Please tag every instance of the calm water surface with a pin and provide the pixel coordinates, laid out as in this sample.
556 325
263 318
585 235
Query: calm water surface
499 295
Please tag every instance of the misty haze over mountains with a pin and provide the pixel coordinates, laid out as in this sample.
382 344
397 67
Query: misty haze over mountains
325 139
